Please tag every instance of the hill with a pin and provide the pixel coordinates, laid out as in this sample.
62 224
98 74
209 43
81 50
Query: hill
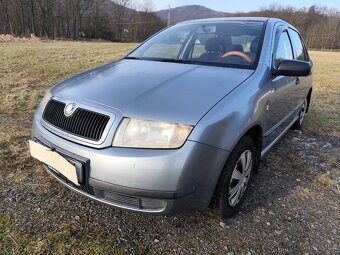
190 12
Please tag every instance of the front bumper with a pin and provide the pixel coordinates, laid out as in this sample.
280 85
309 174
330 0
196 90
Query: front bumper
150 181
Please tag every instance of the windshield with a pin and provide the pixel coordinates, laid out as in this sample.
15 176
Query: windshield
227 43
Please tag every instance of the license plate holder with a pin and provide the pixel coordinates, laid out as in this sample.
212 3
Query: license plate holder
68 167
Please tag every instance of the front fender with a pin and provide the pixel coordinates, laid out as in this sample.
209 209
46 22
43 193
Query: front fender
225 124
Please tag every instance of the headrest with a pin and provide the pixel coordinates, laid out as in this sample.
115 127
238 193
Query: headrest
254 44
214 44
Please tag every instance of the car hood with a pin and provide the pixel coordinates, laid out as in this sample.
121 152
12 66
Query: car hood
180 93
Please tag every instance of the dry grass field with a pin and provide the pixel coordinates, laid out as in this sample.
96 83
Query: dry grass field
293 207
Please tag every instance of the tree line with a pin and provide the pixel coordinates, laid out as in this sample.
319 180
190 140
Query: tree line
319 25
114 20
119 20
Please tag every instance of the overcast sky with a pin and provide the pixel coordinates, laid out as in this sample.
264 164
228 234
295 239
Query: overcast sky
241 5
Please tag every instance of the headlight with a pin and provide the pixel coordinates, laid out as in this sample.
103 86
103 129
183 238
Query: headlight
137 133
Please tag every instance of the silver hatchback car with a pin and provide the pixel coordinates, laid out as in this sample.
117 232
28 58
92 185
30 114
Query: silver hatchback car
181 121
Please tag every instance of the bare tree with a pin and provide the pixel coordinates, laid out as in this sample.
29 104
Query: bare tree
319 25
5 5
126 20
119 12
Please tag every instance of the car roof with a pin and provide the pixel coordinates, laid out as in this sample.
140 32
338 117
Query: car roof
263 19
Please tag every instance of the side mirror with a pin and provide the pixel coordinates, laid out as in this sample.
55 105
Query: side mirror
293 68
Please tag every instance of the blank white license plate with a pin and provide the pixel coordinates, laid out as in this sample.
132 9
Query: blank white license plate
54 160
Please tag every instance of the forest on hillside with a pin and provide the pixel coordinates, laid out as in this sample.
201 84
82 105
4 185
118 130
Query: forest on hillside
319 25
119 20
114 20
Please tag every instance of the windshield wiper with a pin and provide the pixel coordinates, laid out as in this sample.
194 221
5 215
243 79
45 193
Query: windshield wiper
135 58
171 60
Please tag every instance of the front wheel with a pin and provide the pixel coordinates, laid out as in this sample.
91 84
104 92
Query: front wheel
235 177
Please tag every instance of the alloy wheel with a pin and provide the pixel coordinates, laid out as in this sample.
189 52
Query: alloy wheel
303 111
239 178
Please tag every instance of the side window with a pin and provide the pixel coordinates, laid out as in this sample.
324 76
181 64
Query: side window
283 49
299 50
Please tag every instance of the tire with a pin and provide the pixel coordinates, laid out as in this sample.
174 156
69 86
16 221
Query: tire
302 114
236 176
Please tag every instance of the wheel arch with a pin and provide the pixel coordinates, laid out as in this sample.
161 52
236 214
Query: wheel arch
255 132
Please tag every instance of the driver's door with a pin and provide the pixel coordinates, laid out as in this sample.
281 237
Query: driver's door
284 96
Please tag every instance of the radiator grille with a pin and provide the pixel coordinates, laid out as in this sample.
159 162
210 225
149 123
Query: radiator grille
83 123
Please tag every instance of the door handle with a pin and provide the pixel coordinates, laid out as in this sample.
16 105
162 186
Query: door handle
297 81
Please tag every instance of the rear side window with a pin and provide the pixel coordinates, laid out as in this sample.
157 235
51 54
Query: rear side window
299 49
283 49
